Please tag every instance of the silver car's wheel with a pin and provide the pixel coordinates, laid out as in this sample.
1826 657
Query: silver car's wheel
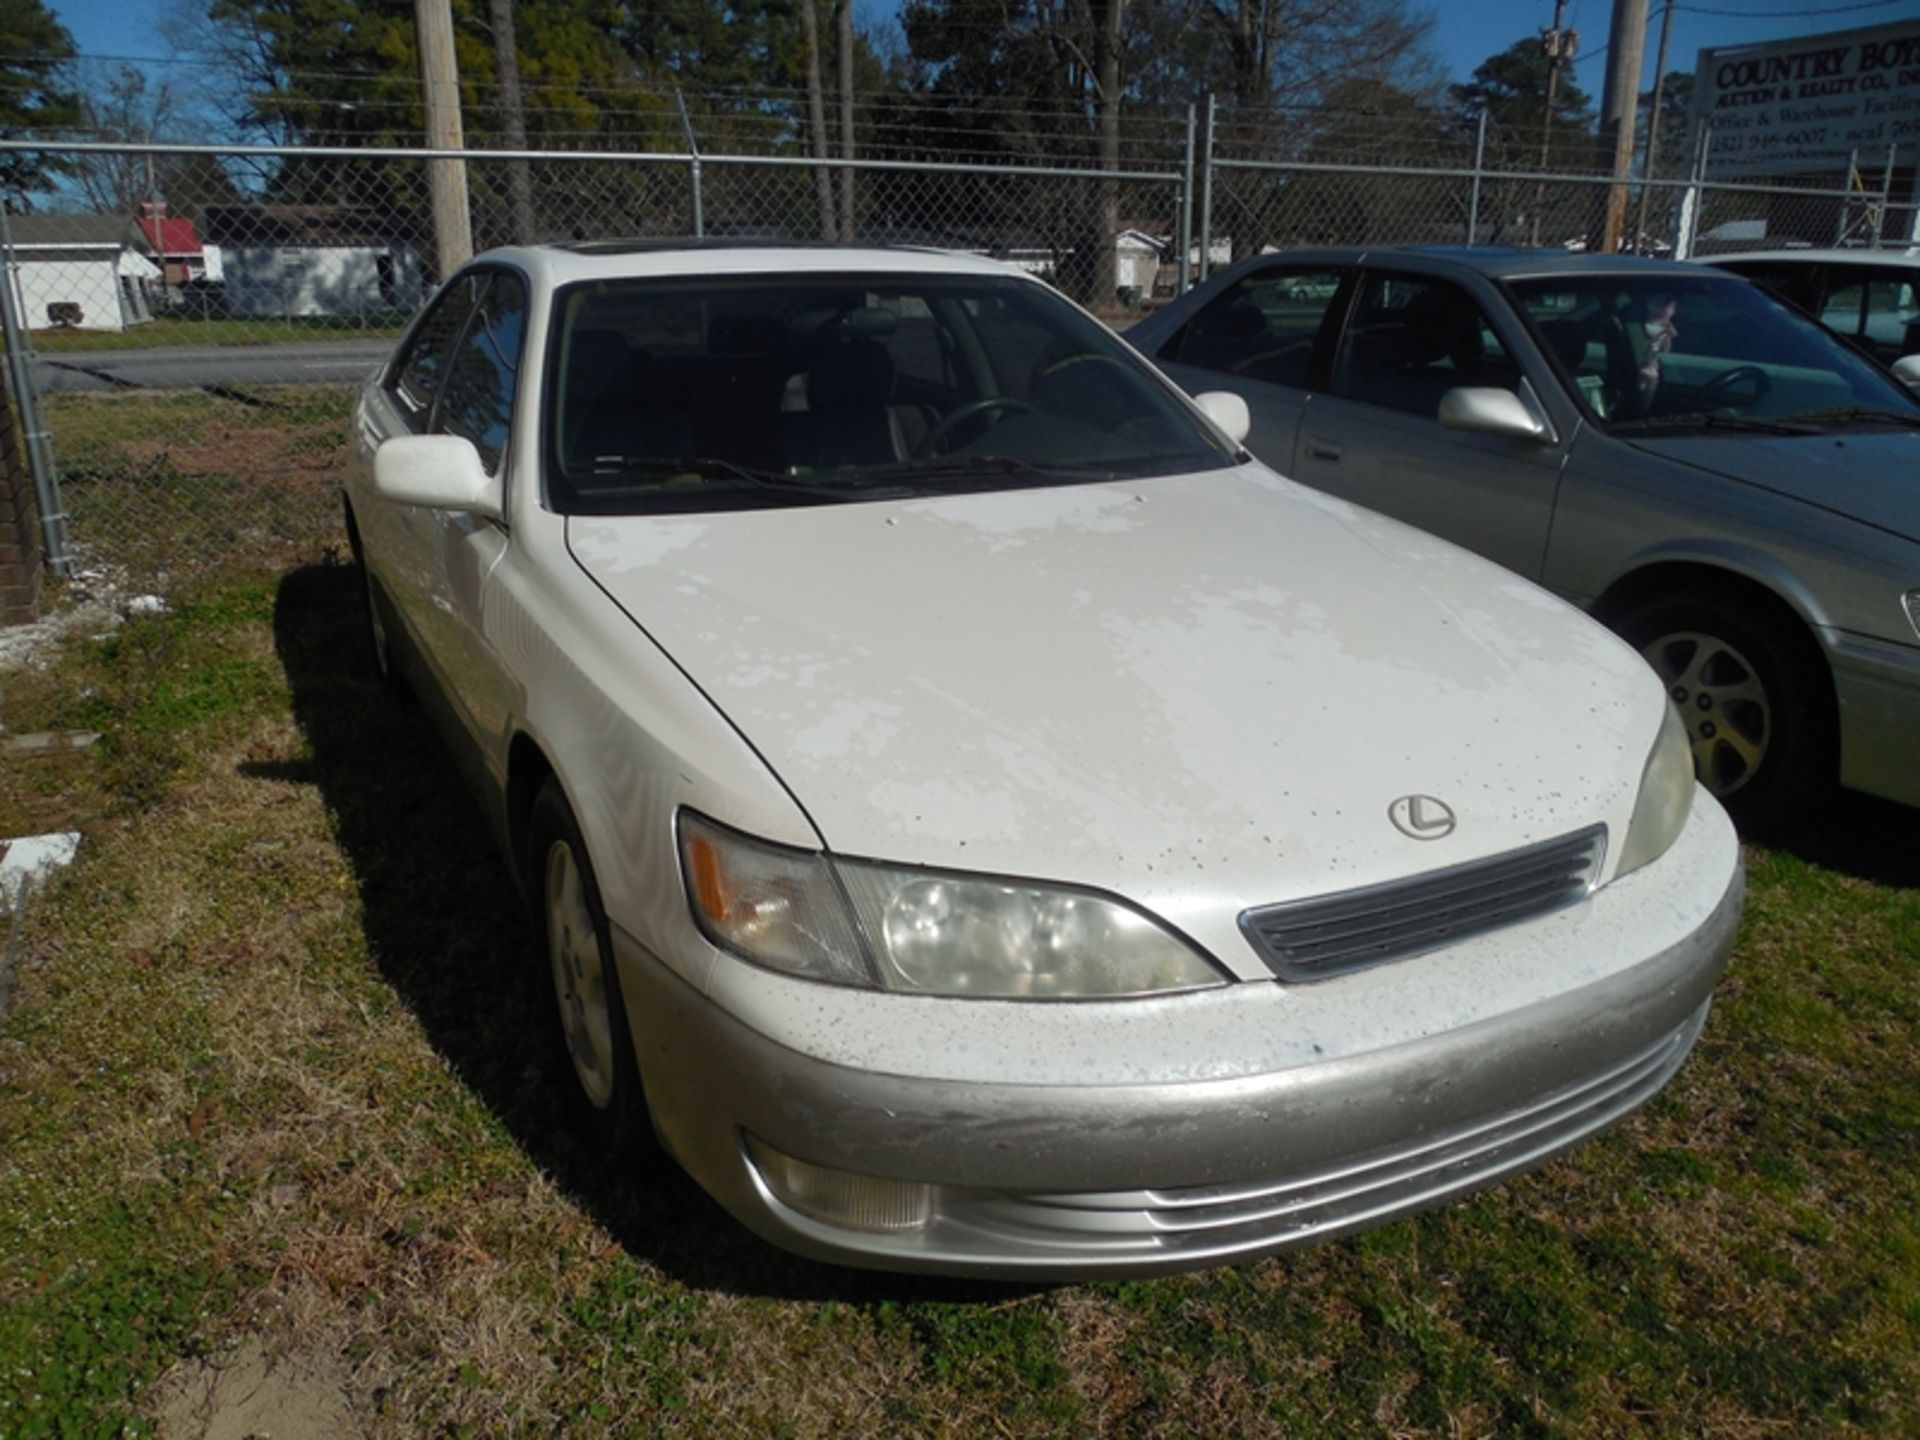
1722 702
580 989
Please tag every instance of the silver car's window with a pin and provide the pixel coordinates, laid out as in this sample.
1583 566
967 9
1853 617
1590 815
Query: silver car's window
1648 347
786 389
477 398
1264 327
1411 339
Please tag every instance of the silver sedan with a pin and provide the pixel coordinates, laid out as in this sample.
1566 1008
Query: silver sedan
1728 486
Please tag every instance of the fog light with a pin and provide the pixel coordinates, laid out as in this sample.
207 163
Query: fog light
840 1197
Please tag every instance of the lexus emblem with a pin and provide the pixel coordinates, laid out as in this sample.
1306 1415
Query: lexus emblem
1421 817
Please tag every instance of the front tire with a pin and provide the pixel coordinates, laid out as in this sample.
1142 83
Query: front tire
586 1009
1753 696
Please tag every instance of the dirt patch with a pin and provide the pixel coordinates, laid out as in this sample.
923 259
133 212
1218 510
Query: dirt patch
252 1395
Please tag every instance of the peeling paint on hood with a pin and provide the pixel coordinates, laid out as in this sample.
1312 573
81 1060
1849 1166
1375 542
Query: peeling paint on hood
1202 691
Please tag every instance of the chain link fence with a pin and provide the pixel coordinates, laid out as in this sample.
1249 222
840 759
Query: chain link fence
190 358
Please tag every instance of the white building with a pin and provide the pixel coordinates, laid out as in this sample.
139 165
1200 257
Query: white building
80 272
288 260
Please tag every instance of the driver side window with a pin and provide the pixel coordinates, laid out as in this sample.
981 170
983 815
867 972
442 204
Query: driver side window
1264 328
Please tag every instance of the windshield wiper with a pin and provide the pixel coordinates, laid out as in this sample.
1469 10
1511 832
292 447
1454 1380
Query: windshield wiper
1856 412
1753 424
950 467
709 467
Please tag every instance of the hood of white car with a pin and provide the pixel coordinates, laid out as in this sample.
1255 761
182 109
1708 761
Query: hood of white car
1198 691
1868 475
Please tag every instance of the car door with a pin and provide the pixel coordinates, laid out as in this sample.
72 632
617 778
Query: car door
476 403
396 537
1265 339
1376 438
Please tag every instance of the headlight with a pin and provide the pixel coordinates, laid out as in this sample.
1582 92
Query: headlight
926 932
1910 602
1666 796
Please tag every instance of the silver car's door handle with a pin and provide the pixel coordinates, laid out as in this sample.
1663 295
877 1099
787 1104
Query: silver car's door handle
1321 448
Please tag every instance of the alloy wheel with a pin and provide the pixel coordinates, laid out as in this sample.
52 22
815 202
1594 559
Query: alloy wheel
1722 703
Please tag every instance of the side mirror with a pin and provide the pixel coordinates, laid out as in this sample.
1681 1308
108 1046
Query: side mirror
1907 371
1492 411
440 472
1228 411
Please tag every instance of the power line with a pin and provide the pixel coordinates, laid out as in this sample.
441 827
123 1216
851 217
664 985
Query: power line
1788 14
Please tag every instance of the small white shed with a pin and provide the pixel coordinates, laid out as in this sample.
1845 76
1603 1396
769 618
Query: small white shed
81 272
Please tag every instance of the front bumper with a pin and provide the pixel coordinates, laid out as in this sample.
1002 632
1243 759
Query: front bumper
1041 1174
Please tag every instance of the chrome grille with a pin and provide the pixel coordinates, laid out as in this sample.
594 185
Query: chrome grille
1332 934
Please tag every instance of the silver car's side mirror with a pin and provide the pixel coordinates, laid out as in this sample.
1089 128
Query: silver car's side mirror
1492 411
1228 411
1907 371
440 472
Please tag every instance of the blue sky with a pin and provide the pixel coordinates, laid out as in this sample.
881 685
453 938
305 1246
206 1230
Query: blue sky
1464 33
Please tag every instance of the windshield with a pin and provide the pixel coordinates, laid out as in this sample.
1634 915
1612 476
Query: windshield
795 389
1647 350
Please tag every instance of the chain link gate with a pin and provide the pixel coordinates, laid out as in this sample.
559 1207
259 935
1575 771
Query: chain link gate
187 370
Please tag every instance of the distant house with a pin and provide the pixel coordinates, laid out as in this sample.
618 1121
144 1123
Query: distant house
286 260
175 242
82 272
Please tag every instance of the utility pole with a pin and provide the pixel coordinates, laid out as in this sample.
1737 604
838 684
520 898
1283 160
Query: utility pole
446 179
1560 45
513 119
1653 123
1626 50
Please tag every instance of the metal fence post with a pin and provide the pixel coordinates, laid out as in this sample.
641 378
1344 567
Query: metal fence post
1206 197
693 165
1479 162
46 483
1691 202
1853 178
1886 195
1184 276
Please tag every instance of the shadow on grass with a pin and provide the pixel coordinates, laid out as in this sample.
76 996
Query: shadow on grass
1857 835
445 927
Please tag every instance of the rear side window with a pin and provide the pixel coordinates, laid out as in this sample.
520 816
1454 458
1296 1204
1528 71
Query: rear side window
430 352
1263 328
1412 339
476 400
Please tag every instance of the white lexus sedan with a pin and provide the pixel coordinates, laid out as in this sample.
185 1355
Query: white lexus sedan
980 817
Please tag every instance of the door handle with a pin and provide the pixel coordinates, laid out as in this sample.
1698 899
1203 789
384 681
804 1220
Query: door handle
1322 449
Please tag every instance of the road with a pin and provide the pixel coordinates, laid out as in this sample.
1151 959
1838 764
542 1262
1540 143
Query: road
293 362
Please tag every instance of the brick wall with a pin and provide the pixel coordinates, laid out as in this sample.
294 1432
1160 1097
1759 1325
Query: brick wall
20 566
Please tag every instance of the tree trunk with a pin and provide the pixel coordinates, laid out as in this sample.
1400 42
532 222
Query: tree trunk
817 121
843 27
1109 15
513 120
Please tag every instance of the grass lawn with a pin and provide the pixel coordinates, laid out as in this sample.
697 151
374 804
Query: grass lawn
168 331
270 1106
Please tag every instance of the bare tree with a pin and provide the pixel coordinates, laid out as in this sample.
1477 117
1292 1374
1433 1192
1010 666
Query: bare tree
129 110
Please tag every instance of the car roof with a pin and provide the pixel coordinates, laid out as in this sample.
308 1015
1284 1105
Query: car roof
564 264
1504 262
1811 256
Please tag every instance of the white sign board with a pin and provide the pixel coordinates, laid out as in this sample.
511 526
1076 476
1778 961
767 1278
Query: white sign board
1796 106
